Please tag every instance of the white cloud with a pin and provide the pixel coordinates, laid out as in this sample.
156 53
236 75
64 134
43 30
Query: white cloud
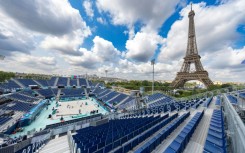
143 46
87 4
45 16
67 44
128 12
13 38
101 20
29 64
52 24
102 53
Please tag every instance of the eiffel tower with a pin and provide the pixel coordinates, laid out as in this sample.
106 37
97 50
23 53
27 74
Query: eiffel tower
191 57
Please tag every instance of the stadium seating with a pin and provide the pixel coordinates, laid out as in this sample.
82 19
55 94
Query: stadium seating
22 97
9 85
207 102
103 93
161 101
55 91
51 81
27 82
242 95
19 106
73 82
44 83
4 119
218 101
109 96
216 141
115 133
47 93
118 99
62 81
151 144
96 91
180 142
82 82
232 99
155 96
72 92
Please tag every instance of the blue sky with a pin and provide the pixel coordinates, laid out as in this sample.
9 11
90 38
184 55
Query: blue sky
122 36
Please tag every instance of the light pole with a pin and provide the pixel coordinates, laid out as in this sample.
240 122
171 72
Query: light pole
106 71
153 63
2 57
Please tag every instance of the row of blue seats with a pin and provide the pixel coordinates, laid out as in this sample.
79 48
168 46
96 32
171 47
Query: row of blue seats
218 101
242 95
207 102
9 85
82 82
129 145
108 136
62 81
150 145
44 83
196 104
103 93
73 82
28 93
17 96
232 99
47 93
27 82
161 101
155 97
92 133
19 106
181 141
4 119
155 110
127 103
215 141
109 96
149 129
118 99
72 91
51 82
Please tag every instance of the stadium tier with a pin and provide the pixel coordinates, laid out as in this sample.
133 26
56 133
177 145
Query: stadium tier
43 83
27 82
108 121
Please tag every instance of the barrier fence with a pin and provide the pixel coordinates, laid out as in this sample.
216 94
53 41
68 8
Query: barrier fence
236 128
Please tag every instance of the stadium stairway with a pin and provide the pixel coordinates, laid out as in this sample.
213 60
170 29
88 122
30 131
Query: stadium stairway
122 101
56 81
113 98
197 140
86 92
87 83
78 82
58 94
57 145
68 81
20 84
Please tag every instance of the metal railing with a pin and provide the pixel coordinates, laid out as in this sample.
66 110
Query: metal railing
236 128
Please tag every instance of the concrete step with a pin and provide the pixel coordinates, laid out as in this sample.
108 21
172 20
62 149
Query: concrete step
57 145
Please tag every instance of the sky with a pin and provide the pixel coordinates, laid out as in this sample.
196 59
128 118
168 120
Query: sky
73 37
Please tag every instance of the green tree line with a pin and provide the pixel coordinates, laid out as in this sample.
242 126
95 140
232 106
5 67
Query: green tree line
6 76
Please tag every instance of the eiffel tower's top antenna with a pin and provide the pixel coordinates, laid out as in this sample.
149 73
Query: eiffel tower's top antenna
191 6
